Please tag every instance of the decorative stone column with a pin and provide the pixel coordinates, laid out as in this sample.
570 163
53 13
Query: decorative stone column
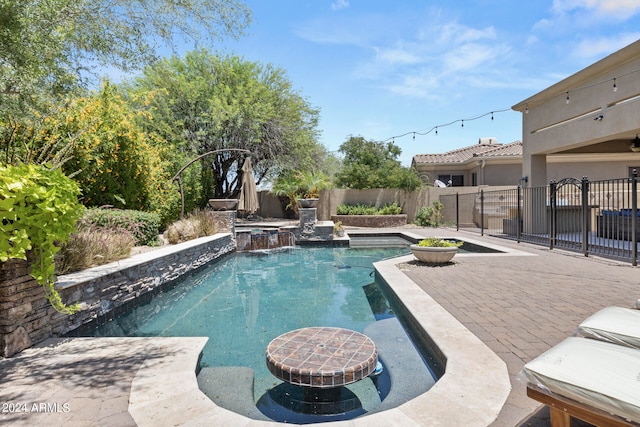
225 220
24 311
308 219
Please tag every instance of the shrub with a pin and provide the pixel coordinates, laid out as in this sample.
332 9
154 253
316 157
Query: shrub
144 226
197 224
93 246
361 209
390 209
438 242
430 216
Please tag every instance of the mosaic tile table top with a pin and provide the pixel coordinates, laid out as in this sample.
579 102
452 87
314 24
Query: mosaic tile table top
322 357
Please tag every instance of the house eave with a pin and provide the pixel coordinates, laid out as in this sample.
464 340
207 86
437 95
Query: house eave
583 76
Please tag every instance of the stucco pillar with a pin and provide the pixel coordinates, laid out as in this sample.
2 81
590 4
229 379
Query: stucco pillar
534 168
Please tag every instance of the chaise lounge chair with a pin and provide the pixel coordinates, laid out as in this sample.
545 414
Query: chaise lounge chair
616 325
591 379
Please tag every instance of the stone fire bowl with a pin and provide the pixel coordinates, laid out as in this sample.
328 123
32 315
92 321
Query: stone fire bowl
223 204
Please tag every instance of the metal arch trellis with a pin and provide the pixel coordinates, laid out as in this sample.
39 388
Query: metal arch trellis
178 178
565 181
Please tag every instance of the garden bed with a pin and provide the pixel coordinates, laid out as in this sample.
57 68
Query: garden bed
373 221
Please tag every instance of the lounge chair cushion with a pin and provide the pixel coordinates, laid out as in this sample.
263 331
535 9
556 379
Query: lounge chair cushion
600 374
617 325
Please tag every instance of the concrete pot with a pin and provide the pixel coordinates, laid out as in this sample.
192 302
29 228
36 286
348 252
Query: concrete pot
433 255
308 203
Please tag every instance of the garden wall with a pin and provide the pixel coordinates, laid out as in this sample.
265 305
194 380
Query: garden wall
373 221
26 317
410 201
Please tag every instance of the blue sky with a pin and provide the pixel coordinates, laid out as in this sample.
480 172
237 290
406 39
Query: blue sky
380 69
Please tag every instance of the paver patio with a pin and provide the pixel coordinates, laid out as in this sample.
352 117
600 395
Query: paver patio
522 306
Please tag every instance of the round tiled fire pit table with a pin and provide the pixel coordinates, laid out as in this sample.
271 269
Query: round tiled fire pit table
320 357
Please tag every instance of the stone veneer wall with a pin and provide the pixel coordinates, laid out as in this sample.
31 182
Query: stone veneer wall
26 317
24 312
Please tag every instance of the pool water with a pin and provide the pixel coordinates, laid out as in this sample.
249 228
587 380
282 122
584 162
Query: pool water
245 300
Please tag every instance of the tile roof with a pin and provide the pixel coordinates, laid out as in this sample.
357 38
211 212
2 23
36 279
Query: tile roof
462 155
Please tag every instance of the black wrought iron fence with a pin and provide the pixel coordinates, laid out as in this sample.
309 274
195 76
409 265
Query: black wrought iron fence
591 217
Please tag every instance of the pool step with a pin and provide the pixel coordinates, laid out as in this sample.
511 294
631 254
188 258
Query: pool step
230 387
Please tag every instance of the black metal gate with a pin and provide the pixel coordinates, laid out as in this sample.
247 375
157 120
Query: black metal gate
591 217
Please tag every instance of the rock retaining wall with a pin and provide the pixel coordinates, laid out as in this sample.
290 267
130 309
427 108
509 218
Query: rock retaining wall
26 317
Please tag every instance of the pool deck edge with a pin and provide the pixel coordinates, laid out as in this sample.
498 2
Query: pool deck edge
476 382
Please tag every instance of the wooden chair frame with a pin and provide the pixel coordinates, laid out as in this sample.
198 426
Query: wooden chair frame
561 410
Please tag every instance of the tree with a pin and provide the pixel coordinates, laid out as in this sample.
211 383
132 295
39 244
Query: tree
371 164
109 155
203 102
50 48
56 40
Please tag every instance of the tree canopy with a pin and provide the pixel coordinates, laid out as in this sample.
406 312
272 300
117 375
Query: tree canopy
48 46
371 164
205 102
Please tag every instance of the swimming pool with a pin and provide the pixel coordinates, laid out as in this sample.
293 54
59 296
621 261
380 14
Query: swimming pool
245 300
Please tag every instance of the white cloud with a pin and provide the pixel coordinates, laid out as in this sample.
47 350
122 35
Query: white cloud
600 47
470 56
421 58
340 4
457 34
621 8
397 56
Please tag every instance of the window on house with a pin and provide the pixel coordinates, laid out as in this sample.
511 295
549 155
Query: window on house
474 179
452 180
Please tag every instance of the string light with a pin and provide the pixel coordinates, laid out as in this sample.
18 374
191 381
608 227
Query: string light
526 110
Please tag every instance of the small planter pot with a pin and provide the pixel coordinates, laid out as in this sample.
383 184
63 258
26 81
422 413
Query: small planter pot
433 255
308 203
223 204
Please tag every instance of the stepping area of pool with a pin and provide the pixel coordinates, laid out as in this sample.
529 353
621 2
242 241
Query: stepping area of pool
489 315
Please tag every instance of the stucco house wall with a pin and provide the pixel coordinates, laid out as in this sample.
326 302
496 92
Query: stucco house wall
583 114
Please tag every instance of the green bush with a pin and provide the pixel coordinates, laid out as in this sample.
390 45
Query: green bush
430 216
361 209
144 226
390 209
39 208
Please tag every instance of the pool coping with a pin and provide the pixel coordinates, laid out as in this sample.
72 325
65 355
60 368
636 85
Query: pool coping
471 392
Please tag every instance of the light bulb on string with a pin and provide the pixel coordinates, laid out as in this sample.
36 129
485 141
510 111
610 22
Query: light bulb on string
414 136
436 130
567 100
462 124
615 86
492 115
526 108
